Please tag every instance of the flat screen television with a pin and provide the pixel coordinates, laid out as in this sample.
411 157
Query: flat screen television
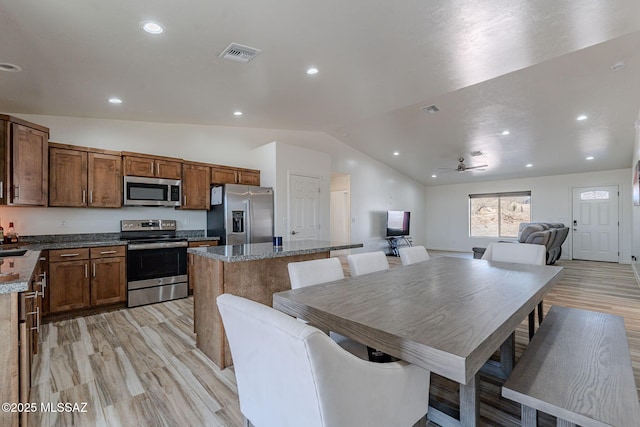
398 223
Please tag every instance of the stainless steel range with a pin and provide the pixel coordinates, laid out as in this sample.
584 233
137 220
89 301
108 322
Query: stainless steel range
156 261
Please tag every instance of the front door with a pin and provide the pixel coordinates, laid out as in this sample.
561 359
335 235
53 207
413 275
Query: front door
304 207
595 223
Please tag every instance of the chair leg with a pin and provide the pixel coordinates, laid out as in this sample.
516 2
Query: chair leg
540 312
532 324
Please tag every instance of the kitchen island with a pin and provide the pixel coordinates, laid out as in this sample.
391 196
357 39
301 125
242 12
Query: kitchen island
255 271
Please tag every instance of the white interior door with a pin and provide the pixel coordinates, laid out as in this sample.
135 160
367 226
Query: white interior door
595 223
304 207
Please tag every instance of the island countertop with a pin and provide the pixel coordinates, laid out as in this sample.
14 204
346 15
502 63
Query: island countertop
259 251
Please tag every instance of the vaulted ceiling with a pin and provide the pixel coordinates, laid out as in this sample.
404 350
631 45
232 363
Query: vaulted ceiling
526 67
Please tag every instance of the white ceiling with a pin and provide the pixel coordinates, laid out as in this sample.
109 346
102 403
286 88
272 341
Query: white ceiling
527 66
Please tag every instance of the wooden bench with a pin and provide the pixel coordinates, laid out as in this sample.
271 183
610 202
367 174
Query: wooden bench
577 367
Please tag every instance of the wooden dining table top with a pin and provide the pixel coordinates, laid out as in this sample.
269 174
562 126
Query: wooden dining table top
446 314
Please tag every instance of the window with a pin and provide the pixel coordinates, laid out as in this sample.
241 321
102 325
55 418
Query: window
594 195
498 214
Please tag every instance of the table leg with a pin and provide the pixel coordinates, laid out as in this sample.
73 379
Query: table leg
508 354
470 402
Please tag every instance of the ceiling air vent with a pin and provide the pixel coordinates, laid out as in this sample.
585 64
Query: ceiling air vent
431 109
239 53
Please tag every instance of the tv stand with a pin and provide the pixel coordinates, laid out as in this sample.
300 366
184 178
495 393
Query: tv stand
394 241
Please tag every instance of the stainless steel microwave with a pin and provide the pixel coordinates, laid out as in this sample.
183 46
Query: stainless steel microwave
140 191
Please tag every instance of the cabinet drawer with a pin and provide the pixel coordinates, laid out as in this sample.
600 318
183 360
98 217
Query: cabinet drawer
108 252
56 255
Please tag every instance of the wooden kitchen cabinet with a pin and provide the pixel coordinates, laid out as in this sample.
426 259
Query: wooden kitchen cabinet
68 279
83 277
198 244
152 166
108 275
84 177
229 175
24 163
195 186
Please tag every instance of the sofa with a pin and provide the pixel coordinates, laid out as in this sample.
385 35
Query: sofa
550 234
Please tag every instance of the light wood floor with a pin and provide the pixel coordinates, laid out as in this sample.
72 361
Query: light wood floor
140 367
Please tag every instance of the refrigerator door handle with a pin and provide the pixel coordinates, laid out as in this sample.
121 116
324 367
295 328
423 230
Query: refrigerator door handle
249 222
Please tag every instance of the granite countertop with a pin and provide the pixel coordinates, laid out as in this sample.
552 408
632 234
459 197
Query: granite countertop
24 266
258 251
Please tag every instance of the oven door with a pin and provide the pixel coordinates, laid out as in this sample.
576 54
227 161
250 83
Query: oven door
156 272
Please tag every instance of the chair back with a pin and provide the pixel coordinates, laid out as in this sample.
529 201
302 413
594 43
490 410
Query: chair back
306 273
412 254
367 262
522 253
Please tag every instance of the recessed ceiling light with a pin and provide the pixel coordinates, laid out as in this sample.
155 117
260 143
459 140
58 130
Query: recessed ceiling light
581 117
11 68
590 158
311 71
528 165
115 100
237 113
395 153
505 132
434 176
618 66
152 27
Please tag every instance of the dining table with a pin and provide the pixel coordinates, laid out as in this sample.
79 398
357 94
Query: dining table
448 315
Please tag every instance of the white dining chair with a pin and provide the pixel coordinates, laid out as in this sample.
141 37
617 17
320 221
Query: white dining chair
290 374
314 272
368 262
365 263
523 253
413 254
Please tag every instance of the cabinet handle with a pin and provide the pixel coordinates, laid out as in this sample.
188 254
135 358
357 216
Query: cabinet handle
1 189
158 169
68 255
84 196
37 313
91 197
94 270
107 252
29 295
86 270
151 167
185 199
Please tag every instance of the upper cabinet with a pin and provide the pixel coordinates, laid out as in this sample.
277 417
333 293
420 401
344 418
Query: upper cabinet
23 162
195 186
230 175
84 177
152 166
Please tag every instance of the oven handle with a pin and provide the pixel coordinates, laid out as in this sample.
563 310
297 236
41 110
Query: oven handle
157 245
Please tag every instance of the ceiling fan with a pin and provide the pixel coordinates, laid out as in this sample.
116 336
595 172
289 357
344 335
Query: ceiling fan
463 168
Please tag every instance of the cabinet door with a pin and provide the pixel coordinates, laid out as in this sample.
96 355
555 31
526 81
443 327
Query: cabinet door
168 169
248 177
104 181
108 281
67 178
30 166
195 187
68 285
139 166
221 175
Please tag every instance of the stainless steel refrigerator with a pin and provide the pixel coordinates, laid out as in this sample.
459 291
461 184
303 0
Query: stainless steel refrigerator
240 214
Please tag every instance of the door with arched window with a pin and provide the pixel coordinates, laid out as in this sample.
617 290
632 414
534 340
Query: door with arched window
595 223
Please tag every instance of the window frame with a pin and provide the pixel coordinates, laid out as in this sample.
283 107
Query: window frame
499 195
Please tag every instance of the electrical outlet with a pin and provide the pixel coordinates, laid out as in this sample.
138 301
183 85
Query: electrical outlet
63 224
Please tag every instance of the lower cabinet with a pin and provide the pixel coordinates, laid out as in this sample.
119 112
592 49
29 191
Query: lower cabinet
200 244
83 277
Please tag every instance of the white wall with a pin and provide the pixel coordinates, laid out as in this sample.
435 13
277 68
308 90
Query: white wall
635 244
551 200
375 188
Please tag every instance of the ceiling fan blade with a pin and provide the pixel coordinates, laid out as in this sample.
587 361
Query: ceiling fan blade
477 167
447 169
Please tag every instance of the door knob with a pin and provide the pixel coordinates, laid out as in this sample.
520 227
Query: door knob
294 232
